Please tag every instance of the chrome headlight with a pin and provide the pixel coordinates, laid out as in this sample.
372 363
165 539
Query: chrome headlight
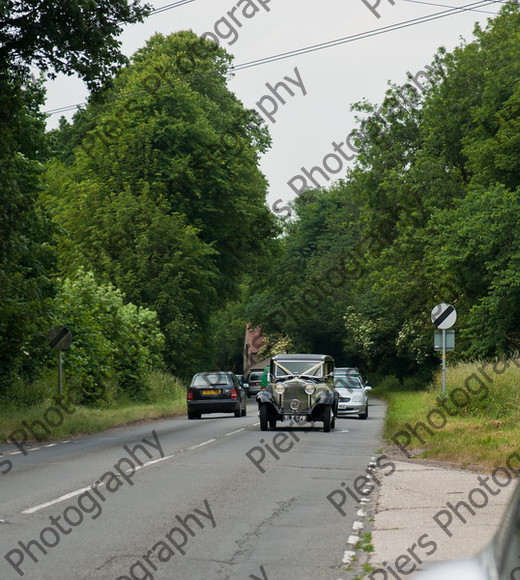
280 388
310 388
357 398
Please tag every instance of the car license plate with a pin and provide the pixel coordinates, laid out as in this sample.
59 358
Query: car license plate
212 392
342 406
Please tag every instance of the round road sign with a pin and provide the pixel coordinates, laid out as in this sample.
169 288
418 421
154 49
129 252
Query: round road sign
444 316
60 337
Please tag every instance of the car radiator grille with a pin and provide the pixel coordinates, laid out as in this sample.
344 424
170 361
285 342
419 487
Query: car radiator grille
295 392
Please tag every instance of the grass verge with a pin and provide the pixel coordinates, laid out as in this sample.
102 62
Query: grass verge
479 424
167 399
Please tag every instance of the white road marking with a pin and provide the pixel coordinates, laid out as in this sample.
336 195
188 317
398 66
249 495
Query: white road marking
202 444
233 432
51 445
353 540
138 467
347 556
57 500
84 489
89 488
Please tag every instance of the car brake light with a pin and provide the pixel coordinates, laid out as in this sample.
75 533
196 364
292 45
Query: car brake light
234 394
190 395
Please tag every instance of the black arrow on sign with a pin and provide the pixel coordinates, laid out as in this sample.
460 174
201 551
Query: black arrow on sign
443 316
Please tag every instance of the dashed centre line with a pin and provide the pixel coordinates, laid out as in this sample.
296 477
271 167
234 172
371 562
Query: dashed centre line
77 492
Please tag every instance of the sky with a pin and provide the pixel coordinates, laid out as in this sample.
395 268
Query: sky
325 83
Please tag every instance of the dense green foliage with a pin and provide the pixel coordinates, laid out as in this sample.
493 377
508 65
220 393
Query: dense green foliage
142 224
77 37
131 224
429 213
158 187
51 37
115 344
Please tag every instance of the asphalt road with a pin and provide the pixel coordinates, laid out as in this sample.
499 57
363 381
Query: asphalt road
195 506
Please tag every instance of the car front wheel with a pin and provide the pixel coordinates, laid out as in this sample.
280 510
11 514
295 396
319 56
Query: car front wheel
263 417
365 414
327 418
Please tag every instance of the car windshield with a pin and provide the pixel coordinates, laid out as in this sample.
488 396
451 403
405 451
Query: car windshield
349 382
347 372
255 376
211 379
299 368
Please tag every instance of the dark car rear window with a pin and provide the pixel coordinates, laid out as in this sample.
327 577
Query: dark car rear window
255 376
211 379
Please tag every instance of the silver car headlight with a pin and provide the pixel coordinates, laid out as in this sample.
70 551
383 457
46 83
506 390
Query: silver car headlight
310 388
280 389
357 398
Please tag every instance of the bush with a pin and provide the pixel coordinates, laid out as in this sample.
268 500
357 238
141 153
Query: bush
20 394
389 384
414 384
114 343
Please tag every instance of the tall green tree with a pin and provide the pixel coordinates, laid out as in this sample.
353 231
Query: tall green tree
429 213
73 37
163 196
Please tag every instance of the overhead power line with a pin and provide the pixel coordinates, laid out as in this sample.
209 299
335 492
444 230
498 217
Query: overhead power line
170 6
446 6
361 35
328 44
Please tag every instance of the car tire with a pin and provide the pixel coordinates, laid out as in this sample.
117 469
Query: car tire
263 417
333 421
193 415
327 420
272 422
365 414
244 411
238 412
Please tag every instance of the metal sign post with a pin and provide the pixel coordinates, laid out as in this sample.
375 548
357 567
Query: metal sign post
443 363
443 317
60 373
60 338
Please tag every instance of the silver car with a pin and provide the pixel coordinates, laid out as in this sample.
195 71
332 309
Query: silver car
353 399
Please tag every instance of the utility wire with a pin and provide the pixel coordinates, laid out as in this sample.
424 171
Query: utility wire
446 6
170 6
327 44
361 35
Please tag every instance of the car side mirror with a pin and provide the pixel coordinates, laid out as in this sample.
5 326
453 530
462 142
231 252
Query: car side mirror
368 388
